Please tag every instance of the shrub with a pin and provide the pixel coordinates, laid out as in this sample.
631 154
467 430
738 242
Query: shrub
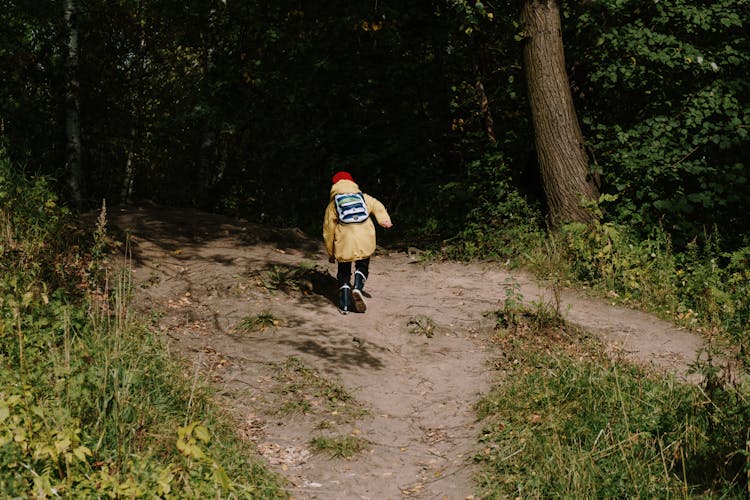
90 403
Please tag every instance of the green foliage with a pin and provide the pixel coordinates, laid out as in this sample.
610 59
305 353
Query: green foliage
499 222
34 232
702 288
562 425
90 403
248 109
666 110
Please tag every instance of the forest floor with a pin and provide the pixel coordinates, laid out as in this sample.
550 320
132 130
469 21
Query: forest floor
401 378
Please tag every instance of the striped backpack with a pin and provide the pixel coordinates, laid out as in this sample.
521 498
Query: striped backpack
351 207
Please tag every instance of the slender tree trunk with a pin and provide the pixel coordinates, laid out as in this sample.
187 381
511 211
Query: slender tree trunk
72 108
126 188
137 97
484 106
211 169
559 142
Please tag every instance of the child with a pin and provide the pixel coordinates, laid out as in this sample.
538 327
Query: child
349 235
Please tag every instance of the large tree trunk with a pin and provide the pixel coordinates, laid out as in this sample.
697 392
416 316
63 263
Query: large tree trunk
72 108
559 143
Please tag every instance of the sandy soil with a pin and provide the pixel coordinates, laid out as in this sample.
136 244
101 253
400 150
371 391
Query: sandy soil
416 361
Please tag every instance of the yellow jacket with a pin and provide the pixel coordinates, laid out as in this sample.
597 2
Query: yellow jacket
354 241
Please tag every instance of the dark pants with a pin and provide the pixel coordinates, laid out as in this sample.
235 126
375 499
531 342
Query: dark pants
344 274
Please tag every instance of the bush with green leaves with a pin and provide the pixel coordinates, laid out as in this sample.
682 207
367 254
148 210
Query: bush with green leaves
663 95
703 287
35 232
91 405
497 221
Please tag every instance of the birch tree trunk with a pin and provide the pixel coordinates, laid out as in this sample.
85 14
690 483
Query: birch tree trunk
559 142
73 148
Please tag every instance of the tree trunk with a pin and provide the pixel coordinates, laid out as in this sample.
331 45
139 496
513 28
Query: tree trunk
484 106
559 142
135 77
73 148
211 168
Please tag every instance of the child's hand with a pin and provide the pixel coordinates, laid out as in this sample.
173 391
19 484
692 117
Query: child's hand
387 225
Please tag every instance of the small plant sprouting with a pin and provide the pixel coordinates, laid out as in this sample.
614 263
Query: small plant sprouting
422 325
513 306
286 278
259 322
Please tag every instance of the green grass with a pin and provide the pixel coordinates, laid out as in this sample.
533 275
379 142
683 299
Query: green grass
91 405
303 390
702 287
565 422
258 322
338 446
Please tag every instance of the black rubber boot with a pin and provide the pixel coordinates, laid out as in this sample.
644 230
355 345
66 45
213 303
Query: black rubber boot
345 299
358 297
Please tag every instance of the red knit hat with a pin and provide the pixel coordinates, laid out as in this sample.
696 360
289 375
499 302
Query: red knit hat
340 176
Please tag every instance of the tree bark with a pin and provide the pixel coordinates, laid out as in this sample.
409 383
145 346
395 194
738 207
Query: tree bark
73 147
559 142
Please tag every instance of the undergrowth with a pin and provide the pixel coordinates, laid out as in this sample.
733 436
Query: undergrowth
702 287
565 422
91 406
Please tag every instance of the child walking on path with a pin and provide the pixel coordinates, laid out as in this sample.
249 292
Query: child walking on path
349 235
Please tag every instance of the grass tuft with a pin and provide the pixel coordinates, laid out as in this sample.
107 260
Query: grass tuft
338 447
303 390
422 325
259 322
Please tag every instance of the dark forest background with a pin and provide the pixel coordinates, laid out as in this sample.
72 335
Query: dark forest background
247 108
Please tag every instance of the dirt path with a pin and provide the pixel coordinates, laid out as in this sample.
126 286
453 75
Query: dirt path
199 275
